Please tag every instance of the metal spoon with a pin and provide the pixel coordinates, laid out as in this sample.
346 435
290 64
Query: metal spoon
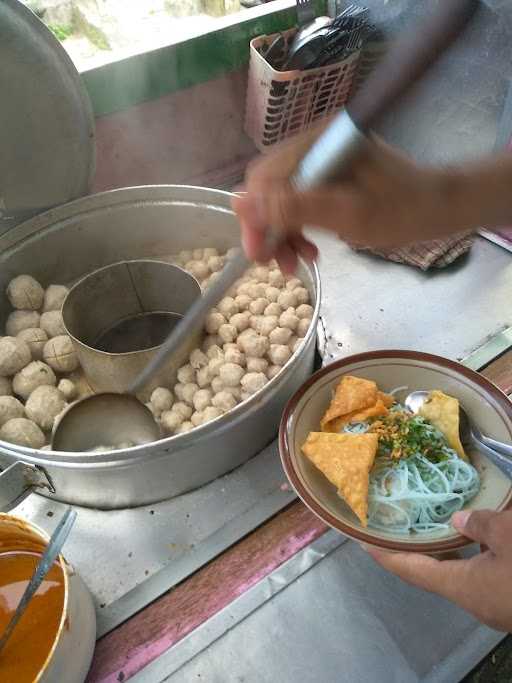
331 155
49 556
306 33
498 453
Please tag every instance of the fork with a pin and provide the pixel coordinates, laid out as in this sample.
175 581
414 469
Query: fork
305 11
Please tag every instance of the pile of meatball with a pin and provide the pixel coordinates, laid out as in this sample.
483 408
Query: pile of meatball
247 340
36 357
250 336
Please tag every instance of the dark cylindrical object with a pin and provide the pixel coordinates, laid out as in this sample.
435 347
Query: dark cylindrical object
409 59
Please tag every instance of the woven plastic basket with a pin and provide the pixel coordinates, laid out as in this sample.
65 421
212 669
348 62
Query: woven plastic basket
283 103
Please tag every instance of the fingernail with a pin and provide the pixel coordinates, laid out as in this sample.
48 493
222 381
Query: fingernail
460 519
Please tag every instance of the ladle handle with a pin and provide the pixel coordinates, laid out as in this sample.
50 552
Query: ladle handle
409 58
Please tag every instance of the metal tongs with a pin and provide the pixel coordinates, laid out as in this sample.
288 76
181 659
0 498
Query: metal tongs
330 156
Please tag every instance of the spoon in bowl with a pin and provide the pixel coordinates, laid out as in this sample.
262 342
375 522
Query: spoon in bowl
500 454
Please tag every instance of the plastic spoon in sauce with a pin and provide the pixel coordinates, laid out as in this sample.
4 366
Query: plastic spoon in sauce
49 556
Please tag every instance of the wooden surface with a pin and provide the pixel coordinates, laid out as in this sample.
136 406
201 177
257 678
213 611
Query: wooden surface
500 372
133 645
148 634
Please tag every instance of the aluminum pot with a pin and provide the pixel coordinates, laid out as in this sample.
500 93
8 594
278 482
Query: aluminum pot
71 653
66 243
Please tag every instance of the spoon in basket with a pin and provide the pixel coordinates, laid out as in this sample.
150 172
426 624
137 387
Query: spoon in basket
330 156
500 454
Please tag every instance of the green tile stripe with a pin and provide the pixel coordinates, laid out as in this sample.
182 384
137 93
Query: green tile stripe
119 85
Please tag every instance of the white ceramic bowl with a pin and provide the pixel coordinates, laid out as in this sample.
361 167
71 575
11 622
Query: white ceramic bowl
487 406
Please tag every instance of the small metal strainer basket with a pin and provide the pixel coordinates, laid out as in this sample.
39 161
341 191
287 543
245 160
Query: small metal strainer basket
119 315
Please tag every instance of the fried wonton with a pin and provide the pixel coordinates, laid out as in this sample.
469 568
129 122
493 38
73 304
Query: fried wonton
355 400
352 394
443 412
376 410
387 399
346 461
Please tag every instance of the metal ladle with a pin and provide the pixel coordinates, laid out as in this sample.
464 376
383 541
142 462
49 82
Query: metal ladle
499 453
329 157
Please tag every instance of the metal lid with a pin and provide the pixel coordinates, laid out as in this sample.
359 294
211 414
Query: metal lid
47 152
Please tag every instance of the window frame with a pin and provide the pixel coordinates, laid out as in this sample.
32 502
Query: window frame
146 76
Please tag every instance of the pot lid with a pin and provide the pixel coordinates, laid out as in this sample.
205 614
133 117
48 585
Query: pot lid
47 150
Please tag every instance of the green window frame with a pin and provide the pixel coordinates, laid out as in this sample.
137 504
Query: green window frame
147 76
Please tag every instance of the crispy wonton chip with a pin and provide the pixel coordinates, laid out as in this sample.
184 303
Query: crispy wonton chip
352 394
443 412
346 461
387 399
336 425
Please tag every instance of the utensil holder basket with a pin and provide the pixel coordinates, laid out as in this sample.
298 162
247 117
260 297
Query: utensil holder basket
280 104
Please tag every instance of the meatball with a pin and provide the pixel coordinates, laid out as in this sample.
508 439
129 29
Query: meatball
253 382
23 432
36 338
5 387
231 374
25 293
67 388
51 322
14 355
10 408
198 359
202 399
21 320
228 307
214 321
304 311
186 374
279 354
254 346
33 375
280 335
224 400
54 298
60 354
161 400
43 406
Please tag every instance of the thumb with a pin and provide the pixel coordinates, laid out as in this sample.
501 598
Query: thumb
481 526
337 209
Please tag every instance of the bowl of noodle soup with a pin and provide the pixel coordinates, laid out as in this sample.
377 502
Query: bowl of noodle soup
479 486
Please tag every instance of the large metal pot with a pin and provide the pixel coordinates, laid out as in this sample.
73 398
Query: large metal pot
64 244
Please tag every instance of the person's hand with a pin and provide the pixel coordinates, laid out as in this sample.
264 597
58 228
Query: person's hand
387 201
482 584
